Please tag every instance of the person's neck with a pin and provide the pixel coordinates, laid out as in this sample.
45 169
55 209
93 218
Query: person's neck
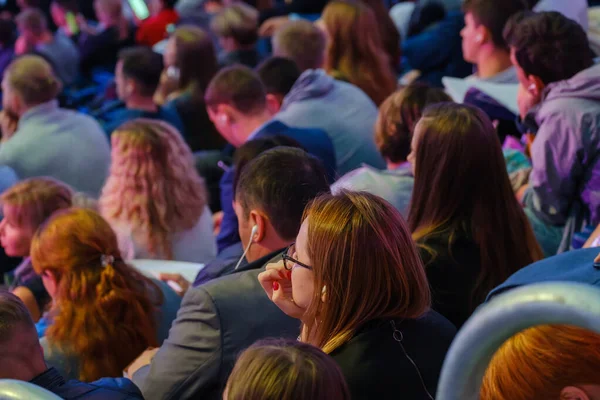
493 62
394 165
268 246
142 104
251 124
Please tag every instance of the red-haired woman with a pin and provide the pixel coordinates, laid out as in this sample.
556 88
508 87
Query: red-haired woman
545 362
104 313
355 50
355 280
470 229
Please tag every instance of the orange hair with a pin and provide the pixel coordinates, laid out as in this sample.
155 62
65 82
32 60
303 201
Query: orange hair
355 51
382 280
102 312
153 185
539 362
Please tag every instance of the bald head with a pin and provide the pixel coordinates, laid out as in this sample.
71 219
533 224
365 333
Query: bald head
32 80
20 351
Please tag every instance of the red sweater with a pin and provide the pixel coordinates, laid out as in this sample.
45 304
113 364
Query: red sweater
154 29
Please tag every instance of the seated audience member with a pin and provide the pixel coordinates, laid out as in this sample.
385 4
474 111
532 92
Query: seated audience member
278 75
390 37
559 101
65 14
237 104
482 41
223 317
436 52
58 50
471 231
317 100
23 360
571 266
554 362
398 116
25 206
355 51
154 29
236 26
67 145
137 76
356 301
189 65
100 46
285 370
7 44
104 313
161 207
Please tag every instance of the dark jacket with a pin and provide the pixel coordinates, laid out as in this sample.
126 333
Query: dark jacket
112 120
215 323
103 389
452 271
315 141
376 367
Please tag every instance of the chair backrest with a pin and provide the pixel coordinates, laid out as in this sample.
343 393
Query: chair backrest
19 390
492 324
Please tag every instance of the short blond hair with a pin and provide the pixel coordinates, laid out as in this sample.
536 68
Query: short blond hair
33 79
301 42
238 21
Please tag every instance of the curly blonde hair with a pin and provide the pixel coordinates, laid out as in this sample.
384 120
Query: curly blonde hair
153 185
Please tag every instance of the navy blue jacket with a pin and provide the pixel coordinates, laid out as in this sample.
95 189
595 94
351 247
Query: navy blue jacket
314 141
104 389
572 266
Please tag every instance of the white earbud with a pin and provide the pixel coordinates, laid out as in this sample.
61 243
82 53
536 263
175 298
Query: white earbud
478 38
252 234
532 88
223 118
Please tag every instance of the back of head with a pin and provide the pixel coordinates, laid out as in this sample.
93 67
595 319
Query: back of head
302 42
398 116
285 370
20 351
461 185
278 75
195 58
281 182
550 358
548 45
494 15
382 280
238 87
100 304
143 66
153 185
32 79
33 200
355 50
32 20
238 21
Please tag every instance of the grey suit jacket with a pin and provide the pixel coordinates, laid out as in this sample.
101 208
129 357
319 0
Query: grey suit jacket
215 323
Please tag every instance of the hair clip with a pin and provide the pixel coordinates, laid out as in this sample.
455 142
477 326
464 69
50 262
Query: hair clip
107 260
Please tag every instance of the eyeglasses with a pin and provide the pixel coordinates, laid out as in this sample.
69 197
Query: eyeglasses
289 261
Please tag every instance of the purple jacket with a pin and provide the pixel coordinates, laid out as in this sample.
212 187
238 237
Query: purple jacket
565 182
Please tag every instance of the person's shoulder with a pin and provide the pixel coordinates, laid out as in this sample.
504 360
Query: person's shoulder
111 389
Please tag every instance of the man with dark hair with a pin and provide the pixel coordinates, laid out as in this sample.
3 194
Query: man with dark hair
154 29
559 101
278 76
237 104
137 76
482 40
236 26
23 359
221 318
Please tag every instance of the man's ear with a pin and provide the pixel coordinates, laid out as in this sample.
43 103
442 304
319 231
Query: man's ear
535 86
274 103
482 35
261 222
573 393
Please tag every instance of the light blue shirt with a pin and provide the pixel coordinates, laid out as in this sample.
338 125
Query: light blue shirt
64 57
63 144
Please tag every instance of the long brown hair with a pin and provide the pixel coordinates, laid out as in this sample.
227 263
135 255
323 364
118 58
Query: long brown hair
549 358
362 252
355 51
461 185
279 369
390 37
103 309
196 59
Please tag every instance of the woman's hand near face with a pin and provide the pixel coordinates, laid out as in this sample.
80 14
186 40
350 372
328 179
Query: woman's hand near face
277 283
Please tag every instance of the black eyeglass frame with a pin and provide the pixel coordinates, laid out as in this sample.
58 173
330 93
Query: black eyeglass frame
286 257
